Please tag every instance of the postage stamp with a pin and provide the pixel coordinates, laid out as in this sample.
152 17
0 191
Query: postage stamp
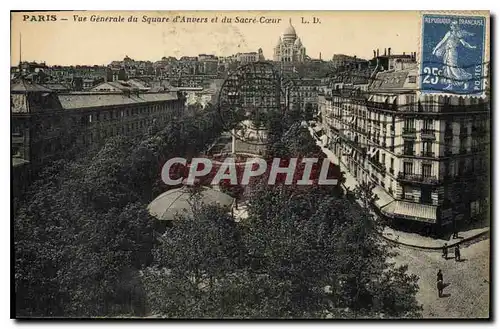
452 54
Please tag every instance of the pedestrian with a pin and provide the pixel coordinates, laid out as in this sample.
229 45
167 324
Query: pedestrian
455 234
440 276
457 253
445 251
440 284
440 287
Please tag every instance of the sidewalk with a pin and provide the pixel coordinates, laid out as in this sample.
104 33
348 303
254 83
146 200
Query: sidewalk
417 241
404 238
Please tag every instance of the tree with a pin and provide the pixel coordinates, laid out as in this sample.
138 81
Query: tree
194 255
313 239
297 255
83 233
301 253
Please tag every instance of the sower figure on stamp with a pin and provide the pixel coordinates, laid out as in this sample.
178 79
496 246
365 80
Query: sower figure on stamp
447 48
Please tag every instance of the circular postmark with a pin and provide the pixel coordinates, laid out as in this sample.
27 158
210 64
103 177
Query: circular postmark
249 98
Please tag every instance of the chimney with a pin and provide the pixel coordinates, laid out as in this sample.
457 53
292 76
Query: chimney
374 53
389 52
385 51
377 52
404 53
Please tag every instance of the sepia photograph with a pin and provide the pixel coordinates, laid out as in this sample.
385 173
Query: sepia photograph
250 165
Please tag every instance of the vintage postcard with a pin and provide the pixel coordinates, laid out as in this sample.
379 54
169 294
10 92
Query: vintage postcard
251 165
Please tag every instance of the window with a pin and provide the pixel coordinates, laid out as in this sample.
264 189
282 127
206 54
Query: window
426 195
449 126
461 167
427 148
475 209
474 144
412 79
426 170
392 163
90 118
410 102
409 124
428 124
408 168
383 158
463 144
407 192
17 131
408 147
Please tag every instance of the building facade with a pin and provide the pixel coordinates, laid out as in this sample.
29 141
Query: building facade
428 155
45 124
289 47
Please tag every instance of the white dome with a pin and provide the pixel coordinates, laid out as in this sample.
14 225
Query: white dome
298 43
290 31
179 202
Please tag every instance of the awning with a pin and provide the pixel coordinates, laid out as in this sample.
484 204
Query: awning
383 199
413 211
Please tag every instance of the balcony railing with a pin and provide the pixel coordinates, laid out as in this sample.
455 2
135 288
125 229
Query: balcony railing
378 166
428 134
448 152
428 107
408 197
427 154
463 150
409 133
418 178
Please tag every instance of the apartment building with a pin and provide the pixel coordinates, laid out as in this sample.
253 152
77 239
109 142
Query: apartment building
427 154
45 124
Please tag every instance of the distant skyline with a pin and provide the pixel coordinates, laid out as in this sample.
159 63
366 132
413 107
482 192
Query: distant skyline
98 43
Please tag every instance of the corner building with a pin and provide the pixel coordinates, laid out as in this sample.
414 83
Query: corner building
428 154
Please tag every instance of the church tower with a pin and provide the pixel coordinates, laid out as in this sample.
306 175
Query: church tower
289 47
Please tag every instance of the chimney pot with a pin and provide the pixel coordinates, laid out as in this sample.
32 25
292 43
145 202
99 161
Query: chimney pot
389 51
385 51
404 53
377 52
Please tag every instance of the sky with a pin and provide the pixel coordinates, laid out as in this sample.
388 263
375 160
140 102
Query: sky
70 42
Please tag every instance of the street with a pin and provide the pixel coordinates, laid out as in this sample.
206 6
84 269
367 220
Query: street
466 296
